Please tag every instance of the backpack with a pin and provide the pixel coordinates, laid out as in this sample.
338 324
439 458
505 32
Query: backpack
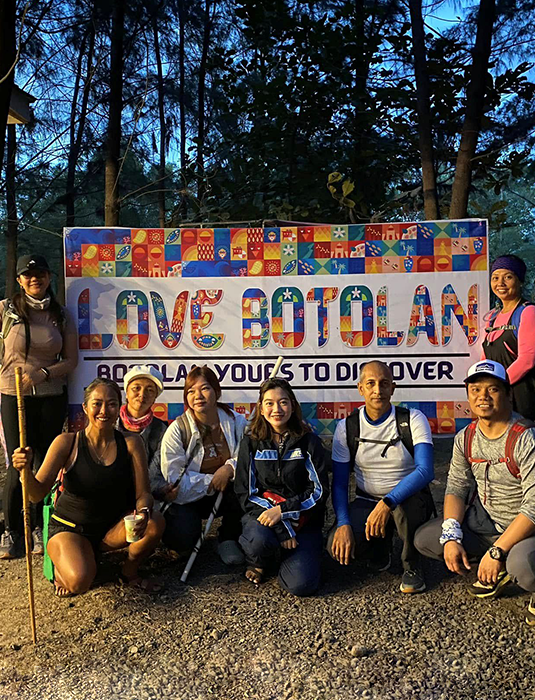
9 319
404 433
515 432
514 321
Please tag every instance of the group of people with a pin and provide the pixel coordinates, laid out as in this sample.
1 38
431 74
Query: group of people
271 471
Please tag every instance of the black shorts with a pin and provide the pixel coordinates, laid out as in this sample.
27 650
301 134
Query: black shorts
95 533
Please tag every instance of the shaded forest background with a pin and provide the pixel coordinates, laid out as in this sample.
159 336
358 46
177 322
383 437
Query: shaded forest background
167 112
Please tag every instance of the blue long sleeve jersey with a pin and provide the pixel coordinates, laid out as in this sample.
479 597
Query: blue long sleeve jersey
415 481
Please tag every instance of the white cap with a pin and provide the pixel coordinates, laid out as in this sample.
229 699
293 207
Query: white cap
144 371
487 368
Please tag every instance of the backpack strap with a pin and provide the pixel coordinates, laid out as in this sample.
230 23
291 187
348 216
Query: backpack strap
469 433
516 430
353 434
403 426
403 423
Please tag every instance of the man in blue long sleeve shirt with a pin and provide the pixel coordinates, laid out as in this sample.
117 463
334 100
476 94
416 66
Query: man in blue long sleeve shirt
392 485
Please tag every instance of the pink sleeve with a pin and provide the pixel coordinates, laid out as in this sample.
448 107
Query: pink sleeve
526 346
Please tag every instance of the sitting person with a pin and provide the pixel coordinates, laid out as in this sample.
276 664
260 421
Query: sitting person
489 508
198 459
142 386
282 484
391 452
105 478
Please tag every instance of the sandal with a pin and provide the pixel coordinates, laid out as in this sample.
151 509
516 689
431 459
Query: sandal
146 585
254 575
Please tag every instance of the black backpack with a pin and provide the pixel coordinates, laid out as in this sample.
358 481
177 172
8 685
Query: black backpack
404 433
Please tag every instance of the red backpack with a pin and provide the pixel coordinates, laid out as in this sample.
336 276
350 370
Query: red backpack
515 432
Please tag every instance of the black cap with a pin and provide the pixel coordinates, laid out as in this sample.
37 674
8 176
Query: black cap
31 262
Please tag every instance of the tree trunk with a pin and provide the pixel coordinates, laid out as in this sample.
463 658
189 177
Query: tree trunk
423 102
113 144
475 95
163 132
7 57
201 90
12 216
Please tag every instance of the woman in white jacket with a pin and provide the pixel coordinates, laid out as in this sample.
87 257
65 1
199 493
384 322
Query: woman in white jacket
198 457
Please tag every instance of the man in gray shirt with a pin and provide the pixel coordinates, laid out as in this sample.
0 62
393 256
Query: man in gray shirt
489 507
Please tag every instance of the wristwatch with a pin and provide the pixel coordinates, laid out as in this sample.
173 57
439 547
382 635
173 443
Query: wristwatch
497 553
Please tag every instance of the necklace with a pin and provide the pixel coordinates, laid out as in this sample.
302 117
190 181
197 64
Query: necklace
100 457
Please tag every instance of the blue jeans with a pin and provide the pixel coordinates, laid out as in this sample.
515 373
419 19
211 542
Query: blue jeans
300 568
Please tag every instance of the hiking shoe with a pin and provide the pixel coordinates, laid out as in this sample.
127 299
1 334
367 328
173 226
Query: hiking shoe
230 553
37 537
530 615
379 564
483 590
8 545
412 582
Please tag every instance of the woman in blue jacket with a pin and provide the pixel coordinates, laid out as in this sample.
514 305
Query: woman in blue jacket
282 485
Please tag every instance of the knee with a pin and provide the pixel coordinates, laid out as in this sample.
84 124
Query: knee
77 582
258 539
426 539
300 584
521 564
155 527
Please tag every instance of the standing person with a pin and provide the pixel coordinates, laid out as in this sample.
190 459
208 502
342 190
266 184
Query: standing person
390 450
198 459
142 386
510 332
282 485
105 478
39 336
489 506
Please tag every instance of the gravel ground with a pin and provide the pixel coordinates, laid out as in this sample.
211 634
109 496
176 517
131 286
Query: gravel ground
218 636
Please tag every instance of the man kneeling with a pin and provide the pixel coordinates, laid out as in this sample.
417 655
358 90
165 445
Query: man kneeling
493 459
391 452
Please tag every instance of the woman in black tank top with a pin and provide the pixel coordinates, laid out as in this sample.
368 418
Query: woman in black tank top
105 478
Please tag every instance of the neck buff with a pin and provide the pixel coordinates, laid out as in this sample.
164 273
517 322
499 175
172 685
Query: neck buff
38 304
135 425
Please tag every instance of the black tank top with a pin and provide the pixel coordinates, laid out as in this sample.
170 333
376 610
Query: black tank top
95 494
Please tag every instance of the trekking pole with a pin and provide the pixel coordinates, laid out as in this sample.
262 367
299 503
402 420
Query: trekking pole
217 503
25 499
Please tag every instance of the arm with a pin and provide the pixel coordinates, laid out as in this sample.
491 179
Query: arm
192 484
241 479
239 427
317 488
56 457
423 474
526 346
69 351
136 450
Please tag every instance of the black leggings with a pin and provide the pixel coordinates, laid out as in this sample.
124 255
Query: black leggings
45 416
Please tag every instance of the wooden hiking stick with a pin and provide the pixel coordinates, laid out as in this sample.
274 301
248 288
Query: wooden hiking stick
217 503
25 499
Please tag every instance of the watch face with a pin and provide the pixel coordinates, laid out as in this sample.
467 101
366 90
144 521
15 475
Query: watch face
496 553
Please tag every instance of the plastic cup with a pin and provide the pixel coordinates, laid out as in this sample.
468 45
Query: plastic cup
130 521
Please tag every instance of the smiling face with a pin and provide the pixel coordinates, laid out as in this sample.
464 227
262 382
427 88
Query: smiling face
35 282
141 393
276 408
376 386
489 399
506 285
201 397
102 408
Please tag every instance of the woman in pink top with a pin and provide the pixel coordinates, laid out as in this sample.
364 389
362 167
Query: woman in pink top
510 332
39 336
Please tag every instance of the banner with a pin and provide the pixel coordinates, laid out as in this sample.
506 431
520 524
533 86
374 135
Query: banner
327 298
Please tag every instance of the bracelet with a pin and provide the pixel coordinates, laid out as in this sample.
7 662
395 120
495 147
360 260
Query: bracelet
45 372
451 531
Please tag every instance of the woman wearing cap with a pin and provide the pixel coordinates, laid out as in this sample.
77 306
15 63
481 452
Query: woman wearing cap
510 336
39 336
142 386
198 459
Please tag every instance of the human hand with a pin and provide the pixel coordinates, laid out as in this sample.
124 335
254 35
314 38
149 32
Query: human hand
489 569
289 544
22 457
32 378
377 520
141 525
271 517
221 478
343 547
169 493
456 558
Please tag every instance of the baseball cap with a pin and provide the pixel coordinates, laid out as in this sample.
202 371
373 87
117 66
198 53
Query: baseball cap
144 371
487 368
31 262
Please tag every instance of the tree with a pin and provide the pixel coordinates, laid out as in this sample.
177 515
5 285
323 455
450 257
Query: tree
7 65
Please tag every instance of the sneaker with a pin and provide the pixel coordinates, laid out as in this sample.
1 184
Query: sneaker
8 545
483 590
412 582
381 563
530 615
230 553
37 537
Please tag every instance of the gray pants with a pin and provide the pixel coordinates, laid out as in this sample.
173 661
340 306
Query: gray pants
406 519
479 533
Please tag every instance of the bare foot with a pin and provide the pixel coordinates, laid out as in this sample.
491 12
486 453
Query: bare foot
254 574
